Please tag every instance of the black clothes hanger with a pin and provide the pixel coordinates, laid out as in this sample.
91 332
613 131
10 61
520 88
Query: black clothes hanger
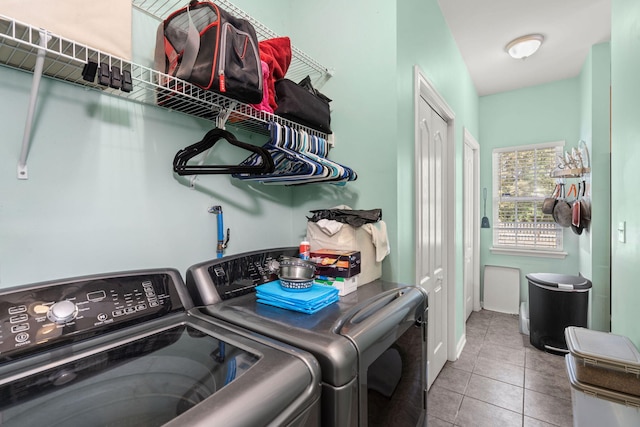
180 166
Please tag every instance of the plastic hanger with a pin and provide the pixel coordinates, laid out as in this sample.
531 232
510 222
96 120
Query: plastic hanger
264 162
319 148
299 158
315 148
290 166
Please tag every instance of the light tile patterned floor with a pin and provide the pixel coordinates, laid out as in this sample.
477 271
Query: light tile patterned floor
500 380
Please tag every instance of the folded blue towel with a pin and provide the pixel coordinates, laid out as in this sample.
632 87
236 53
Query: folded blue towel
309 301
314 303
323 302
313 295
306 303
301 309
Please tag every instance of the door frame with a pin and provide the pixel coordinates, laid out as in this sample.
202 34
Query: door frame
474 211
423 88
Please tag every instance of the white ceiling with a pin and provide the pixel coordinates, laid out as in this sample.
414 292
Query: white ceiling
482 28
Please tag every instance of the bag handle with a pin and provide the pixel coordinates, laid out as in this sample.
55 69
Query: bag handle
189 54
160 55
191 49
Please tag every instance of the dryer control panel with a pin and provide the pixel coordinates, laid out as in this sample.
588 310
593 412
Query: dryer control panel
233 276
37 316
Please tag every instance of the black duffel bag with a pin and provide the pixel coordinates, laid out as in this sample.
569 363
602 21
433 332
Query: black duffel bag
301 103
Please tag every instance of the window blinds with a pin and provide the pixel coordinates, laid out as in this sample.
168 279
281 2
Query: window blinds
521 183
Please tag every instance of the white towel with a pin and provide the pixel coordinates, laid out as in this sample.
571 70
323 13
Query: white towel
329 226
379 238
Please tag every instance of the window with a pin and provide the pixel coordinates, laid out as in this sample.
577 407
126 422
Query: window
521 182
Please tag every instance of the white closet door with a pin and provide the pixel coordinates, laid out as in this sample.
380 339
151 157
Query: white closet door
431 232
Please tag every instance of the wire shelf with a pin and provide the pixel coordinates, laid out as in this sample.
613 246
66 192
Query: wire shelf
65 59
301 63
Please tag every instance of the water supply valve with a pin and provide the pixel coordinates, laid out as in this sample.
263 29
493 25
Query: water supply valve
222 240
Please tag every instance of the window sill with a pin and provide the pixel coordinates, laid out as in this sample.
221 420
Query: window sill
529 252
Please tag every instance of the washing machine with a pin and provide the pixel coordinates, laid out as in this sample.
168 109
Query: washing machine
371 344
123 349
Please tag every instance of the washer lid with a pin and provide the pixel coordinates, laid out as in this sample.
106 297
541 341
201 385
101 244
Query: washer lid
179 371
559 280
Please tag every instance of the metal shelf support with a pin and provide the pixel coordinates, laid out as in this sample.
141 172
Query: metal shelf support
33 100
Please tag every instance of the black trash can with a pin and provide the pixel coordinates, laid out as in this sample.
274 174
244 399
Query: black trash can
555 302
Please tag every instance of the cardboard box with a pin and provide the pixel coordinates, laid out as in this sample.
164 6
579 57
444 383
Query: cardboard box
349 239
345 285
336 263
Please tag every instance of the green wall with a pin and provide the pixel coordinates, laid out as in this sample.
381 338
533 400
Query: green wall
101 195
425 40
625 158
594 257
363 110
373 113
570 110
542 113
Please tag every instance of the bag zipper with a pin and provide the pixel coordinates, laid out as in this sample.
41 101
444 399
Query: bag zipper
223 54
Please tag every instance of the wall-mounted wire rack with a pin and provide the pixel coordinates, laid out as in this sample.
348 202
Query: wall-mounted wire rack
28 48
581 163
301 63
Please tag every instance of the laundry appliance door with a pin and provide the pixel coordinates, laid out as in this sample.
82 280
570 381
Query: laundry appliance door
346 338
177 375
390 333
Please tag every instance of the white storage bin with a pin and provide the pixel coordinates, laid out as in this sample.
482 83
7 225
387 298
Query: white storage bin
598 407
604 360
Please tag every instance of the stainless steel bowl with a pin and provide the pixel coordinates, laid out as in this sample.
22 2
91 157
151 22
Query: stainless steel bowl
296 269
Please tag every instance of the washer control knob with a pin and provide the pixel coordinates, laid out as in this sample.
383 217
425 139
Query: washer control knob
62 312
273 266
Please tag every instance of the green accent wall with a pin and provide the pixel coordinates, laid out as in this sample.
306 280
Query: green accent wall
625 158
570 110
373 114
531 115
101 195
363 111
424 40
593 256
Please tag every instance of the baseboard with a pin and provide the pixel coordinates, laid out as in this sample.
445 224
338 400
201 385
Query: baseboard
461 343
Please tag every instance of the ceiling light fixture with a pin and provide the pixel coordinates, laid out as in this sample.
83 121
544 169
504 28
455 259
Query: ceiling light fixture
524 46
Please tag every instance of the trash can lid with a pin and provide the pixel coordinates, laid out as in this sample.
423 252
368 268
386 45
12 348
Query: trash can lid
558 280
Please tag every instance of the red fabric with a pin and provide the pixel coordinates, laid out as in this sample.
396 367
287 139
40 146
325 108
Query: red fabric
277 54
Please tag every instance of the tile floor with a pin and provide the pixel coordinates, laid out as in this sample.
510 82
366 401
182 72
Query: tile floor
500 379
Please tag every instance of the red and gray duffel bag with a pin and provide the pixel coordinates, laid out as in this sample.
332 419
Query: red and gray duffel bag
205 45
